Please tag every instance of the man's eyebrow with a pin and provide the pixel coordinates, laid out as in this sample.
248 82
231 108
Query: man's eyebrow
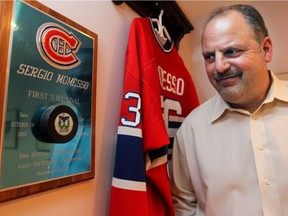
208 53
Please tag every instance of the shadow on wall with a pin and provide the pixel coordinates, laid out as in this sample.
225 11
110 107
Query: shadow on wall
283 76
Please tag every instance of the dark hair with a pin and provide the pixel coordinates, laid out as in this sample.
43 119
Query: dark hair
253 18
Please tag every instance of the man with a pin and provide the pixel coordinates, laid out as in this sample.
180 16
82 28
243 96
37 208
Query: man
230 155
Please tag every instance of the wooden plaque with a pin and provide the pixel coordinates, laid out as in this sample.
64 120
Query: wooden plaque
48 100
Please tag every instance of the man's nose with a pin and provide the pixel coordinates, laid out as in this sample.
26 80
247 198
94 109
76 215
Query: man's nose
221 63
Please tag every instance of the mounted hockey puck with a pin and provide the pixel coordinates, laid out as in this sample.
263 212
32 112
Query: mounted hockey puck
55 124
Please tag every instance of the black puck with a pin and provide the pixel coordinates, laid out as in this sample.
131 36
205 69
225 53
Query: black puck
55 124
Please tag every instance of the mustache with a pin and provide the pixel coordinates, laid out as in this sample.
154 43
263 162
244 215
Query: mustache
226 75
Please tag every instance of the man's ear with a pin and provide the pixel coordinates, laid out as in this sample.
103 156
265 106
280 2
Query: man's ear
267 48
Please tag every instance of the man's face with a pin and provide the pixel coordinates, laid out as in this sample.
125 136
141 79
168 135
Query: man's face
235 63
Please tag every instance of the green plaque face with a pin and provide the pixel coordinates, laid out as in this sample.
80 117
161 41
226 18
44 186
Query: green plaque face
48 112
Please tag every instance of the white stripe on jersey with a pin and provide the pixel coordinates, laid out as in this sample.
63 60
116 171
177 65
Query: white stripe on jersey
122 130
176 118
129 185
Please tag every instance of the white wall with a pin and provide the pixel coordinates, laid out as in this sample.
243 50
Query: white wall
111 23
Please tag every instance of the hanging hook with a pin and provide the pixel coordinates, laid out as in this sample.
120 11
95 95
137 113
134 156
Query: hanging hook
161 30
160 26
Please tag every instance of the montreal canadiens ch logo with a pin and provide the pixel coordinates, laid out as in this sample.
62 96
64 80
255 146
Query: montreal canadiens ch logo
58 46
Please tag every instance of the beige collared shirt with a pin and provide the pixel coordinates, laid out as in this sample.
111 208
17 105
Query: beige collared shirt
229 162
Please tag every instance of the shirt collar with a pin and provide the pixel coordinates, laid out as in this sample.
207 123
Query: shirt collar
220 106
278 90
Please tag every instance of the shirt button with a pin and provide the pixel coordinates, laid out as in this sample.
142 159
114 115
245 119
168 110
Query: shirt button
260 147
267 182
254 117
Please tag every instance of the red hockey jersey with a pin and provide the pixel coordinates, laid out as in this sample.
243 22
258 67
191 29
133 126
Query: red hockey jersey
158 94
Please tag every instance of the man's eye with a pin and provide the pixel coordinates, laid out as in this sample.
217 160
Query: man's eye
209 57
231 52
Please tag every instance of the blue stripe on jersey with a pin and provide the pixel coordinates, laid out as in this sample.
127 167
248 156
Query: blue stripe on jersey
129 162
154 154
170 146
174 124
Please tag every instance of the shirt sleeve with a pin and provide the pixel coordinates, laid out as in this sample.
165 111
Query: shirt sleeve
183 195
